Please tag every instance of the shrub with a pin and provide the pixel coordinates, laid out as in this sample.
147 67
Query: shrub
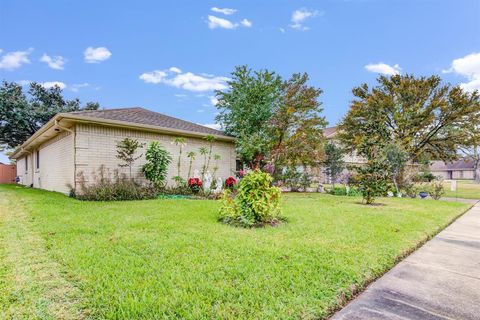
425 177
410 189
126 150
255 204
373 180
436 189
158 159
195 184
230 183
296 179
106 188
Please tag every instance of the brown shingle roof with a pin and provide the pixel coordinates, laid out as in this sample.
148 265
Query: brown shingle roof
463 164
143 116
329 132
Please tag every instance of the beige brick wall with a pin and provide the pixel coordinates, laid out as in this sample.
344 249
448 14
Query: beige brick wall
22 172
96 145
56 167
56 171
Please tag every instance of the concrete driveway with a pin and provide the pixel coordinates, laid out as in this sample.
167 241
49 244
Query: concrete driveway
441 280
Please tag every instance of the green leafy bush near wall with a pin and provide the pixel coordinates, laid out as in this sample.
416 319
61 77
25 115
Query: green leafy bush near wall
255 204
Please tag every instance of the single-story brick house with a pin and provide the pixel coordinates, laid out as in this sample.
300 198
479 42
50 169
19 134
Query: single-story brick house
463 169
80 142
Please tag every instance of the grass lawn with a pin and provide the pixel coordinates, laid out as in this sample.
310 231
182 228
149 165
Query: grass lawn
465 189
65 259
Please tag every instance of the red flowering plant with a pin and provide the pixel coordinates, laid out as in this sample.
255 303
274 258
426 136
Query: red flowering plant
195 184
230 183
240 174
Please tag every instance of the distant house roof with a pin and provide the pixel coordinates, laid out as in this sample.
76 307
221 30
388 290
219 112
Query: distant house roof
330 132
134 118
463 164
143 116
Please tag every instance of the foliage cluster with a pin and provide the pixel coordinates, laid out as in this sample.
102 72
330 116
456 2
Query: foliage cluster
257 202
110 188
274 121
22 114
156 166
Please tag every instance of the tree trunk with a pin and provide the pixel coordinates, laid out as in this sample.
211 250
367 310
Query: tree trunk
394 178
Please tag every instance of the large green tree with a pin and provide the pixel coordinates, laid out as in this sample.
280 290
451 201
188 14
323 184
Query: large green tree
246 108
427 119
297 125
22 114
274 121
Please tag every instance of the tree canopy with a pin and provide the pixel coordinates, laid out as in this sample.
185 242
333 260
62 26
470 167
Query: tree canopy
274 121
22 114
247 107
427 119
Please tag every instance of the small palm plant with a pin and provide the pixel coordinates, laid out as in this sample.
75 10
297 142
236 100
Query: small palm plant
211 139
181 143
191 155
204 151
217 158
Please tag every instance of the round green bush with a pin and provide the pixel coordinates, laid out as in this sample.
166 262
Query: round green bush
256 203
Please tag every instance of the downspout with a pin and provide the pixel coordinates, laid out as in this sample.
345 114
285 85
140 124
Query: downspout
73 132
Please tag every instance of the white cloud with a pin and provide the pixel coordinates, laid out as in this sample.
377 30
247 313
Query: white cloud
55 62
468 67
282 30
175 69
77 86
187 80
96 55
213 100
156 76
225 11
23 82
213 126
300 16
15 59
51 84
383 68
246 23
216 22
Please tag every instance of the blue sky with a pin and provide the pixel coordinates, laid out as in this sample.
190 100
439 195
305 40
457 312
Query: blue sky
168 56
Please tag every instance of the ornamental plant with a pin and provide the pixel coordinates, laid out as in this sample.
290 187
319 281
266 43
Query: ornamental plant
257 202
230 183
155 169
195 184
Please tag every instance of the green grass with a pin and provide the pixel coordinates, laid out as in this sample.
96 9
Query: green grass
172 259
465 189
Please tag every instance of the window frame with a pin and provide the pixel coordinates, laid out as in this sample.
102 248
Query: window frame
37 160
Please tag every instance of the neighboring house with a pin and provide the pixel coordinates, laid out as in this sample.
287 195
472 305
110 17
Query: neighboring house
349 158
80 142
463 169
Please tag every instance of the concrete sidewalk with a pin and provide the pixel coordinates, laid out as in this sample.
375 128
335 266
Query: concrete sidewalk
441 280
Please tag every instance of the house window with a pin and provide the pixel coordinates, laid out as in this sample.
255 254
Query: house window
26 163
38 159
